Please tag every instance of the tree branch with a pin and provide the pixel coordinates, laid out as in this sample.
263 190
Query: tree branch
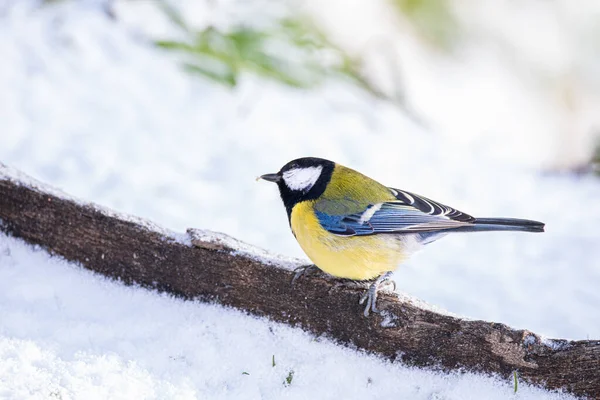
135 251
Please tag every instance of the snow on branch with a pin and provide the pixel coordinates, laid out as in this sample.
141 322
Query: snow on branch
217 268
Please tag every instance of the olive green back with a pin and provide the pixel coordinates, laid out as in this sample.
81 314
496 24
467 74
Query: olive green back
350 192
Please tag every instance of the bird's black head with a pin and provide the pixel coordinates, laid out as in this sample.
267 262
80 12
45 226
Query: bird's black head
301 179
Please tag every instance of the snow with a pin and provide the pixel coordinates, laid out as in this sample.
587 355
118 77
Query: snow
69 334
88 105
220 240
14 175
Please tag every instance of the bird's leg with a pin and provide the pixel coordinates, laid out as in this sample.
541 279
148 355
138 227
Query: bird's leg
302 271
371 294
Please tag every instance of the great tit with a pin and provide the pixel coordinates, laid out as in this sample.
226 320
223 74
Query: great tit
353 227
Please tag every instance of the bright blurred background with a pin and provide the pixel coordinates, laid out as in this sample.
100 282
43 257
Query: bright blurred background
169 109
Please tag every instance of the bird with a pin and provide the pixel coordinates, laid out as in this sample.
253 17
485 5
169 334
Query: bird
353 227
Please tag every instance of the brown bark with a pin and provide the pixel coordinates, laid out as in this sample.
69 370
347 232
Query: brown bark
135 252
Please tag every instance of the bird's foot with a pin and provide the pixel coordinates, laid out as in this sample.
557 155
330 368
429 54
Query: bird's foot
370 295
302 272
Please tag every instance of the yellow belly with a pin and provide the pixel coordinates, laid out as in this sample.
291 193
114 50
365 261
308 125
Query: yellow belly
351 257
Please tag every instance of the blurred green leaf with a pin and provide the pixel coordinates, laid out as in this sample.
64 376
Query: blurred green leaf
243 49
292 51
172 14
433 19
227 78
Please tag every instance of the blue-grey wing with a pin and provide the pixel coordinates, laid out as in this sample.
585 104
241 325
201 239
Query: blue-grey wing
409 214
430 207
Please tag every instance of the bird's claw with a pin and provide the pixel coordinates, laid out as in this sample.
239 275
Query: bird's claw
370 295
301 272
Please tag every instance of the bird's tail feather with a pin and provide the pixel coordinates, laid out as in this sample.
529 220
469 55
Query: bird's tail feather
503 224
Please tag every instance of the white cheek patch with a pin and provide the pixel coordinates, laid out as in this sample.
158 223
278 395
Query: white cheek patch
302 178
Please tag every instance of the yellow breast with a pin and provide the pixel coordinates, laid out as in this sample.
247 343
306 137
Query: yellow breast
351 257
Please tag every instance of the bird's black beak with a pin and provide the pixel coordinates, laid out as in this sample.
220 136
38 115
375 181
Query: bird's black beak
270 177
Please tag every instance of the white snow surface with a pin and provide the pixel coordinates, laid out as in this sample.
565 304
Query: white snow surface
245 249
88 105
66 333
